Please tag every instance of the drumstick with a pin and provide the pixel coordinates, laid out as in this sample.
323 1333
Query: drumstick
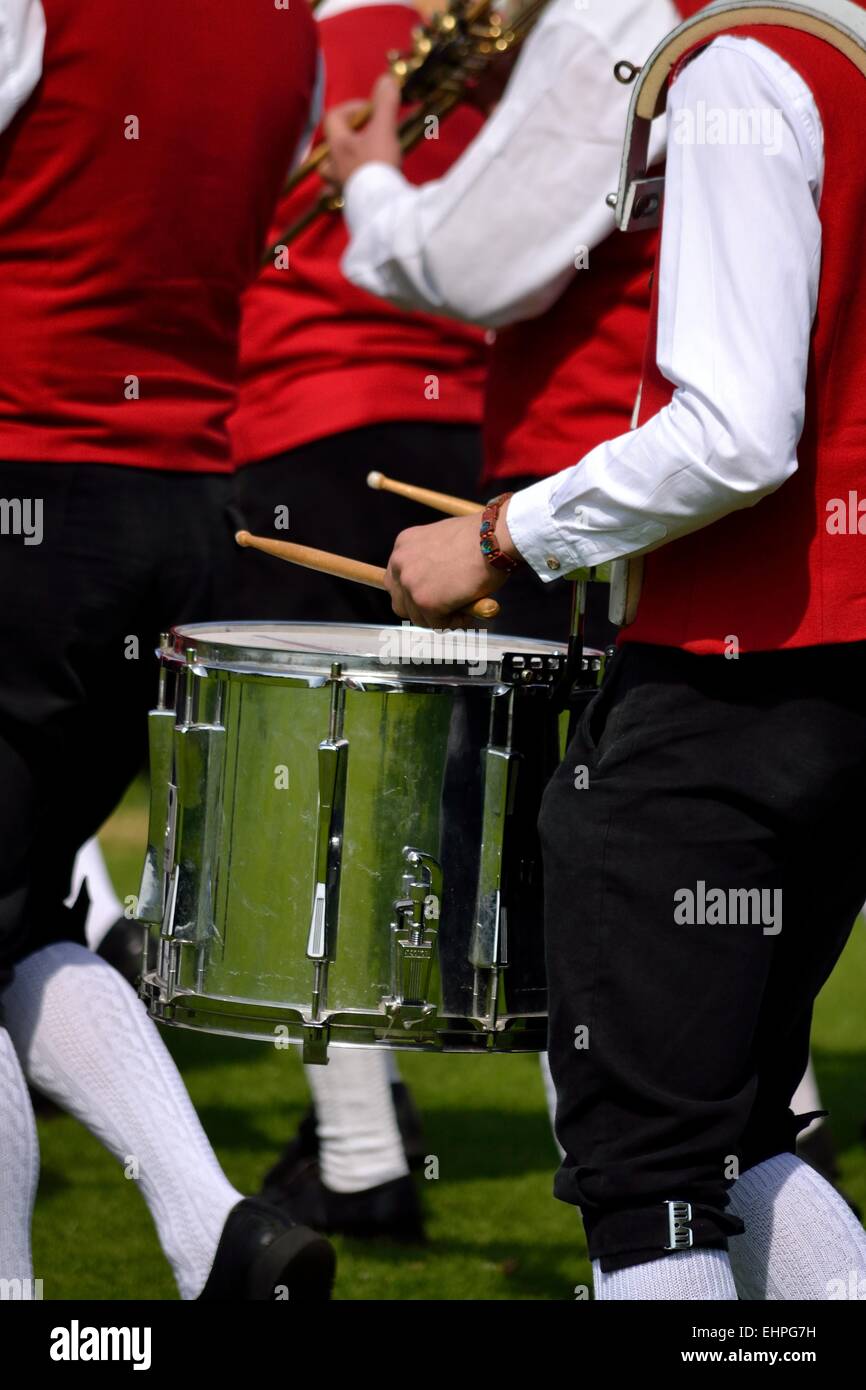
343 568
439 501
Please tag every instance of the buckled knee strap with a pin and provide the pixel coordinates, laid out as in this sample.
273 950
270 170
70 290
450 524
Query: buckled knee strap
622 1238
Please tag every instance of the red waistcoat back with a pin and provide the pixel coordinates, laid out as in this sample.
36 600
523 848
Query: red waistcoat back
136 189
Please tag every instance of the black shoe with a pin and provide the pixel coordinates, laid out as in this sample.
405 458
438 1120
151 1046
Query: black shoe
818 1149
391 1209
123 947
304 1148
263 1255
298 1154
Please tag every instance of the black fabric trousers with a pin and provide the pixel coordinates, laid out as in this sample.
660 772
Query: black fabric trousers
680 1017
323 488
125 553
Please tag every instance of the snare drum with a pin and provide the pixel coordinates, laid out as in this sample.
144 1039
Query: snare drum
342 843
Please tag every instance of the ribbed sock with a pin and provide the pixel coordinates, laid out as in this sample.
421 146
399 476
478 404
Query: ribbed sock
685 1276
19 1171
84 1039
359 1140
802 1240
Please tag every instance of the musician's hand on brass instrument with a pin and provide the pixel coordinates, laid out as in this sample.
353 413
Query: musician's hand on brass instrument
435 571
376 141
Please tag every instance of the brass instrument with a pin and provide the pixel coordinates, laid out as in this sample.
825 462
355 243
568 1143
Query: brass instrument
455 46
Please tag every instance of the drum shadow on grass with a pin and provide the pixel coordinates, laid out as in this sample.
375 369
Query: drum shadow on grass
517 1269
487 1142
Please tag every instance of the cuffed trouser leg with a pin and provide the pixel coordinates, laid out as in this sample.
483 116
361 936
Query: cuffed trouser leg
700 830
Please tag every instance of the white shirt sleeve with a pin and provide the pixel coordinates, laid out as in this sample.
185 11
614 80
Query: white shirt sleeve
738 290
22 40
497 238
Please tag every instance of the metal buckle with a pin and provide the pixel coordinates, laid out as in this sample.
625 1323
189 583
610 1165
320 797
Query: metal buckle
680 1233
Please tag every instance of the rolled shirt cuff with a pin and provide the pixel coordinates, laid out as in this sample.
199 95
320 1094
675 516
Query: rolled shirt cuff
535 533
557 533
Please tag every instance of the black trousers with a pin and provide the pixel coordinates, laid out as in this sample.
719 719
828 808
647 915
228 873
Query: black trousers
125 552
680 1016
322 487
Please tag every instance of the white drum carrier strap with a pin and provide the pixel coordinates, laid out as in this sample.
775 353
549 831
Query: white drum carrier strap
639 200
840 22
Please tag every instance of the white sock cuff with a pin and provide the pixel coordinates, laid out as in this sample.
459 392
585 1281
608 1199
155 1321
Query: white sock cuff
685 1276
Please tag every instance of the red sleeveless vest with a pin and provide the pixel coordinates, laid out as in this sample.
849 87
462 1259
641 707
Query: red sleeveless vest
319 356
136 188
787 572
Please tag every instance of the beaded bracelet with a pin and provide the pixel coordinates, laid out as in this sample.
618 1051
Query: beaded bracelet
489 544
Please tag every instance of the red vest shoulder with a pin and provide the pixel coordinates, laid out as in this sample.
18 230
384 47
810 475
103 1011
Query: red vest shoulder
786 573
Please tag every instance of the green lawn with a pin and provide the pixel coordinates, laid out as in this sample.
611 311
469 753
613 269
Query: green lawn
495 1230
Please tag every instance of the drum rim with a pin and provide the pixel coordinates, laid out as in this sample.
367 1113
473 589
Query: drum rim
249 659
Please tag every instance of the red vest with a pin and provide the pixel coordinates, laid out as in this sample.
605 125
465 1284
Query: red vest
122 260
319 356
563 383
780 574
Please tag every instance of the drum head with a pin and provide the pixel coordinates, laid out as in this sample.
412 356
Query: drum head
401 651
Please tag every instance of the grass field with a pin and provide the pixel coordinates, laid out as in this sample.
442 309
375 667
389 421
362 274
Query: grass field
495 1230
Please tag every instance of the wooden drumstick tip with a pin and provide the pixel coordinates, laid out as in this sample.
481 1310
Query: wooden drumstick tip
242 538
486 609
375 480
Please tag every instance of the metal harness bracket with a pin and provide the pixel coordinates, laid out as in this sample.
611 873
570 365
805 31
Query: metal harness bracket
639 200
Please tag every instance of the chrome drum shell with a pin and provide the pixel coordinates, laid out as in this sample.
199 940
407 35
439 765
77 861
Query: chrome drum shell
342 844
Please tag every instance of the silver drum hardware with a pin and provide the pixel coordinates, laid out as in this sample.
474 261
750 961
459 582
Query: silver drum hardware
342 843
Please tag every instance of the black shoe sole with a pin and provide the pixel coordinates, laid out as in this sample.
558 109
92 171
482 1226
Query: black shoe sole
297 1267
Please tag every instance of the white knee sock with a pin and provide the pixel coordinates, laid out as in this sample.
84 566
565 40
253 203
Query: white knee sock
682 1277
84 1039
802 1240
550 1098
19 1168
359 1141
105 905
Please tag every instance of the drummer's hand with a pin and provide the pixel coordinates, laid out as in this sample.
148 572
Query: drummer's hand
377 141
435 571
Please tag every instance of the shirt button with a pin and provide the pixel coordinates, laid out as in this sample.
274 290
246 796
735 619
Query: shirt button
578 513
553 563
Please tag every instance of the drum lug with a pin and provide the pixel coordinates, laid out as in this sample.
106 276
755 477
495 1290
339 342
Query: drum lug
414 935
333 761
151 896
321 942
198 758
315 1049
488 951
